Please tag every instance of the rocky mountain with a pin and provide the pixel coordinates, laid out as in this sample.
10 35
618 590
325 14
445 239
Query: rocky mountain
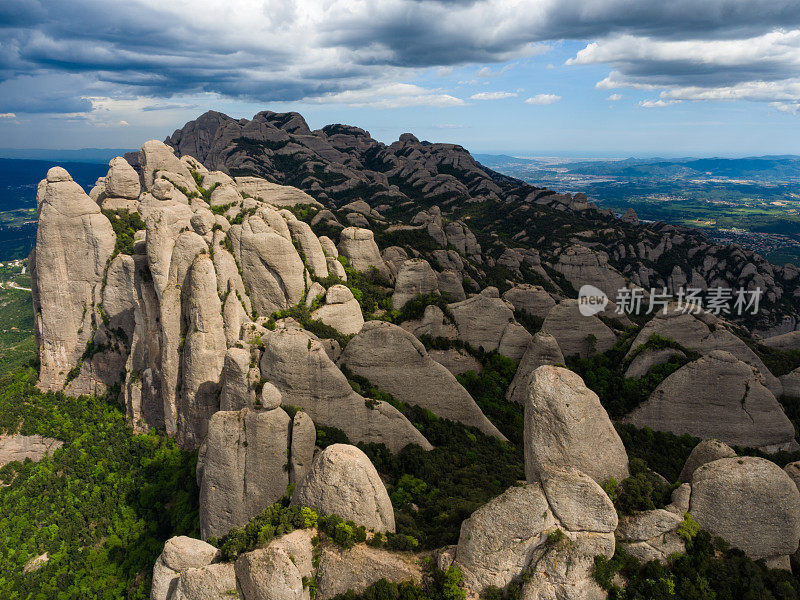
517 225
296 305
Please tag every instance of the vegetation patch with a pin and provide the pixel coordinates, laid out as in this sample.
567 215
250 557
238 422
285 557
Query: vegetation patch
101 507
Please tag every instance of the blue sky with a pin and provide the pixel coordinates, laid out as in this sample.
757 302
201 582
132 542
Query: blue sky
609 78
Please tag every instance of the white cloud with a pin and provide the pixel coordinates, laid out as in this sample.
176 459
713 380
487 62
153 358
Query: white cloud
492 95
394 95
791 108
761 68
542 99
657 103
614 98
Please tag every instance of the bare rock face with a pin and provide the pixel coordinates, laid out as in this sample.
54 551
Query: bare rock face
19 447
415 277
240 469
463 240
573 331
705 452
271 267
566 426
275 194
450 285
484 553
718 396
395 361
456 361
791 384
203 353
343 481
533 299
630 217
308 243
487 321
156 156
793 471
122 181
542 350
212 582
359 247
180 554
341 310
581 266
433 323
651 535
785 341
703 333
237 391
749 502
577 501
74 242
304 439
269 574
307 378
512 534
359 567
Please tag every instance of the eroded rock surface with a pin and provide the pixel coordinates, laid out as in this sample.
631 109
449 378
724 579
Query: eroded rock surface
718 396
395 361
342 481
566 426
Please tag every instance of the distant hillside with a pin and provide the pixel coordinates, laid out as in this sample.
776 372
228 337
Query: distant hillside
86 155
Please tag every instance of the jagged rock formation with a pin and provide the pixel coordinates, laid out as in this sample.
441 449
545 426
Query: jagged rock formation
553 235
565 426
175 310
394 360
21 447
342 481
718 396
415 277
358 246
307 378
580 265
214 297
74 242
533 299
652 534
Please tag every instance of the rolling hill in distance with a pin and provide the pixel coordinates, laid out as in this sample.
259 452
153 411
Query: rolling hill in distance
751 201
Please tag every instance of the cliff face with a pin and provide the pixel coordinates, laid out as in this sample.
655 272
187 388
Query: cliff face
159 296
